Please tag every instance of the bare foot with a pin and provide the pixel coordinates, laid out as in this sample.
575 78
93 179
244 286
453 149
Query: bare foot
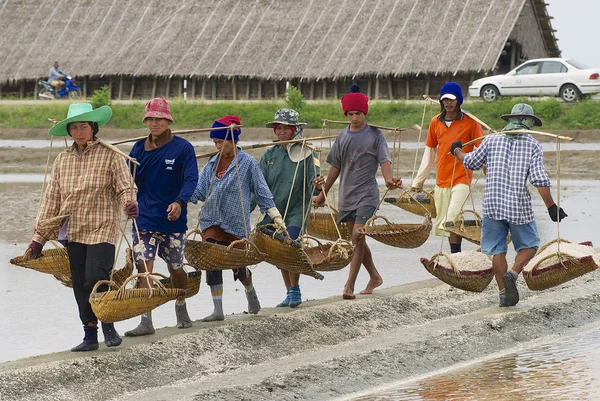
348 293
371 285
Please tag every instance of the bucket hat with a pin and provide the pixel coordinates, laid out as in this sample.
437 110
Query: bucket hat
81 112
158 108
522 110
286 117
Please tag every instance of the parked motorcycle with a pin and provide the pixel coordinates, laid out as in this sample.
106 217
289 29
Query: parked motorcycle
47 91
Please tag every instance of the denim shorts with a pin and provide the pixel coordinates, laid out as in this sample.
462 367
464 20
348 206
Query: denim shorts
494 232
358 216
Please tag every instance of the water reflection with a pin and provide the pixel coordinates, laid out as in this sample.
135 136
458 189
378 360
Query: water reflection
568 369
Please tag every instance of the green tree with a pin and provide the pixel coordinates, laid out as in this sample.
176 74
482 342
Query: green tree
294 98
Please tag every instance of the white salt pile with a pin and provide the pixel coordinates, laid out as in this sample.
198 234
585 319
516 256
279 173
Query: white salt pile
566 248
468 261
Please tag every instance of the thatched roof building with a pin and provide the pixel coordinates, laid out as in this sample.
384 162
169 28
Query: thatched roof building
257 45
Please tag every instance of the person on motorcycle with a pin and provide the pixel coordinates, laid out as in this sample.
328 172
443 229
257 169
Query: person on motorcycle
56 76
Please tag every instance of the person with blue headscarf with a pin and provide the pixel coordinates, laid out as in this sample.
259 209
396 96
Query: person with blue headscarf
226 185
452 182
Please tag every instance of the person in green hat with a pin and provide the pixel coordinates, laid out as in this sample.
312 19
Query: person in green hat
290 182
89 188
512 160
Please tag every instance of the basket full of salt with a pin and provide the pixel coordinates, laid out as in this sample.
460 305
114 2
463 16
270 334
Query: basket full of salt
559 261
469 270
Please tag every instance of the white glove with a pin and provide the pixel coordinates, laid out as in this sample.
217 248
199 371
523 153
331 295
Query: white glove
274 214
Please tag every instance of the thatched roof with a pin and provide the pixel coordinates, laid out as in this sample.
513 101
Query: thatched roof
267 39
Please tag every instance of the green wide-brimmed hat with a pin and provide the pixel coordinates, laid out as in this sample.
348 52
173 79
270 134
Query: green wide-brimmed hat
285 117
81 112
522 110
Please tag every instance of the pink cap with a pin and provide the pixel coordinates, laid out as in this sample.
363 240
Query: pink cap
158 108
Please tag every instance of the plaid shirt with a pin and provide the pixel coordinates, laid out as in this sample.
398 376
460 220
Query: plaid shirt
510 163
91 189
223 207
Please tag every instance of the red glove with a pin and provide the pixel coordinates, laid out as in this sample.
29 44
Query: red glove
131 209
35 250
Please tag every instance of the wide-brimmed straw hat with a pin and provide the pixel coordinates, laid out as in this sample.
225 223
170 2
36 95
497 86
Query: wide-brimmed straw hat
158 108
285 117
522 110
79 112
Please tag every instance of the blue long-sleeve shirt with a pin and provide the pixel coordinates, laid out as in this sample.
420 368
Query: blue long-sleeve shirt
223 206
164 175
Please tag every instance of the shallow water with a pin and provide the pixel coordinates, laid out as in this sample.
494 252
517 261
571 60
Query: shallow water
39 315
562 368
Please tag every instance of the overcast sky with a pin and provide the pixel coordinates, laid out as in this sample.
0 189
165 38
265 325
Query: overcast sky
577 27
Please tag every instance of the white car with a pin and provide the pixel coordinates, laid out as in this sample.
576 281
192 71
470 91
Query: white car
566 78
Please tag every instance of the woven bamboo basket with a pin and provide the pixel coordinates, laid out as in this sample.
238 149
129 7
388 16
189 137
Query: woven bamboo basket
202 255
117 276
283 252
330 257
322 225
420 203
121 303
53 261
397 235
193 283
449 273
566 268
468 229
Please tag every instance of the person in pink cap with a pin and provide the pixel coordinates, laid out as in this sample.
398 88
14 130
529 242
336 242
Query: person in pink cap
166 179
355 157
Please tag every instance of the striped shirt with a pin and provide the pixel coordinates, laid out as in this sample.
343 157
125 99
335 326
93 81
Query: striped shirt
90 188
510 162
223 206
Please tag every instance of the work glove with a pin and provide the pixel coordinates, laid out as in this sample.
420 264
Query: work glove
35 250
556 213
454 146
132 210
274 214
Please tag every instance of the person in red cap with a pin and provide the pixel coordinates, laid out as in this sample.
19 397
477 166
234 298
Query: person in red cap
227 184
452 179
166 179
355 157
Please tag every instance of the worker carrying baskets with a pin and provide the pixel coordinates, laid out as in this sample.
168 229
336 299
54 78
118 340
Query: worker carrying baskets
226 185
512 160
89 186
355 157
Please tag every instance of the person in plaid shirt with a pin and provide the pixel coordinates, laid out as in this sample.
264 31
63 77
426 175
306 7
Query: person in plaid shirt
511 161
89 187
226 185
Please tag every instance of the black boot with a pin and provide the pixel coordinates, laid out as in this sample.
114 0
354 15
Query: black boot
90 340
111 337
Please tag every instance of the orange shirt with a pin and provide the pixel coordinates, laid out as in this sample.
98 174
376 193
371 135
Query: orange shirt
463 128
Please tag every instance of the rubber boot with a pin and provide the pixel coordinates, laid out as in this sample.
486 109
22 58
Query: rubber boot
111 337
286 301
295 296
90 340
144 328
183 319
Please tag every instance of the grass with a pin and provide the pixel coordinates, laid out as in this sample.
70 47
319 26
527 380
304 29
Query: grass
556 115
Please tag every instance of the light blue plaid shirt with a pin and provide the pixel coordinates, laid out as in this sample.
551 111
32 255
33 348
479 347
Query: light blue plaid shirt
223 207
510 163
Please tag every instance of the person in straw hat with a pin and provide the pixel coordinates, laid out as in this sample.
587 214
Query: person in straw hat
166 179
451 182
355 156
511 161
228 176
90 186
290 182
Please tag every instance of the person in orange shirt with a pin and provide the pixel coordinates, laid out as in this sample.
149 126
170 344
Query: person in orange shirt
452 179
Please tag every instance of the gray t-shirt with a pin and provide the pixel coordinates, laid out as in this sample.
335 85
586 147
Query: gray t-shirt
358 155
